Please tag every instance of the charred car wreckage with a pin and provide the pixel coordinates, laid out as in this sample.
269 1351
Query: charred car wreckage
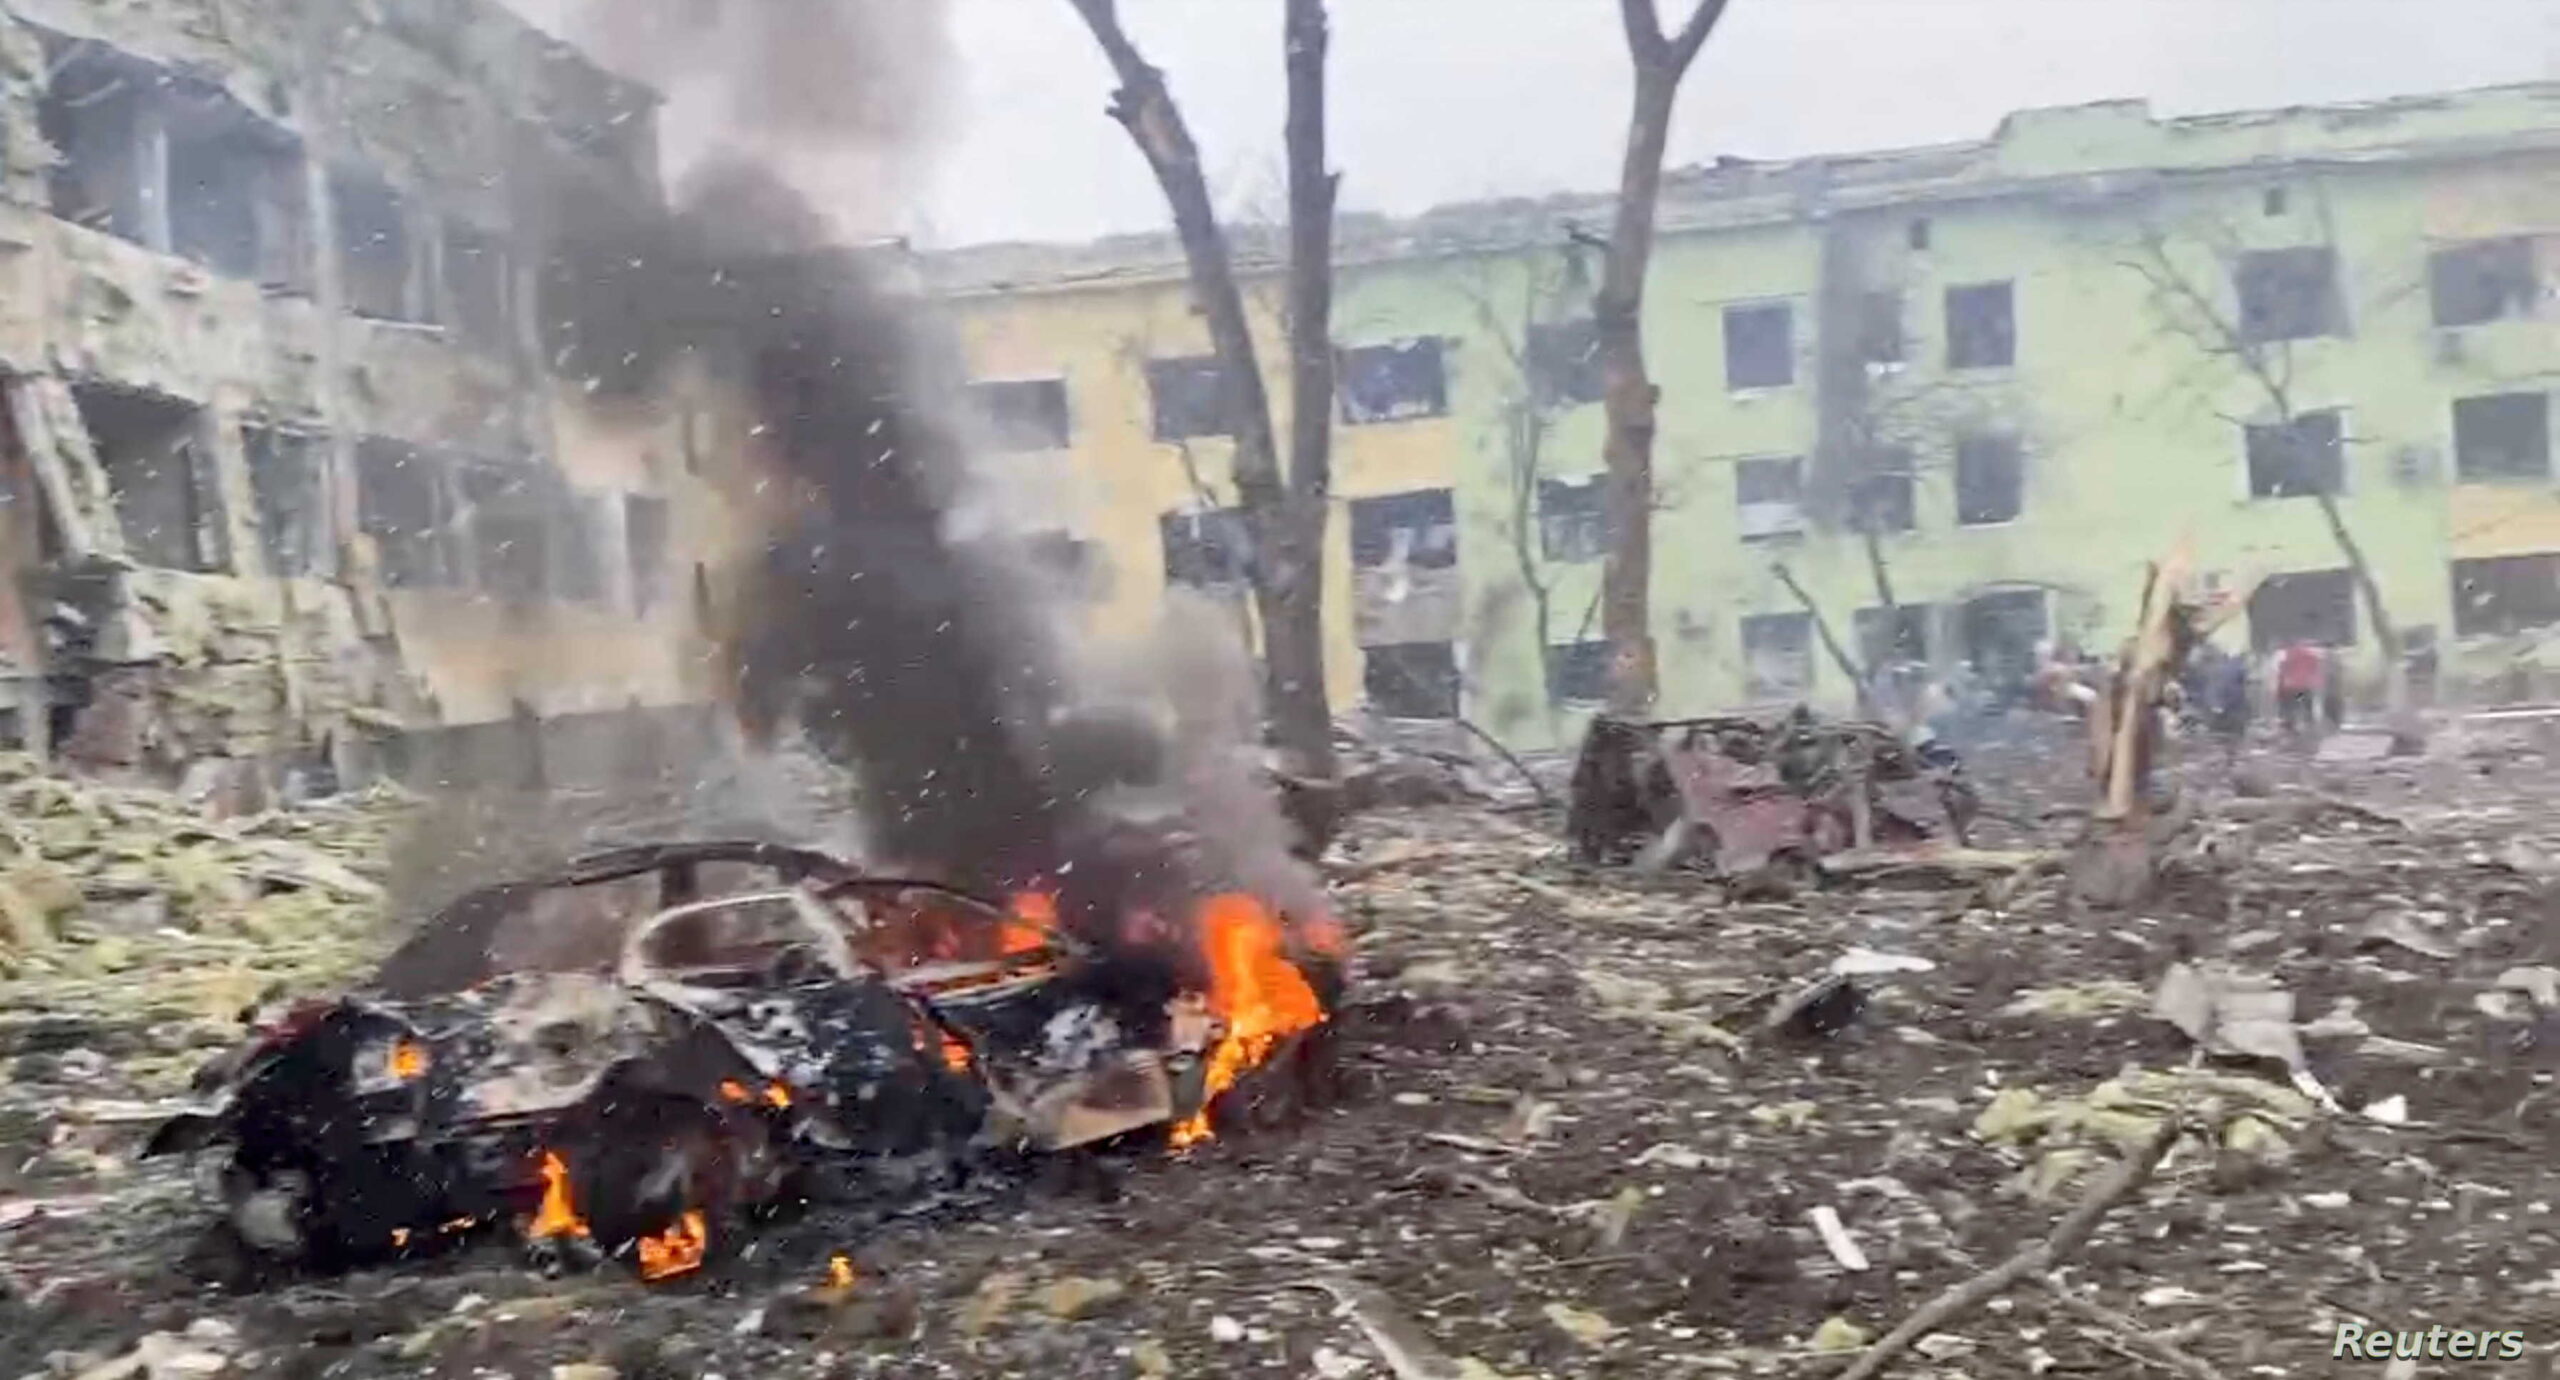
773 1017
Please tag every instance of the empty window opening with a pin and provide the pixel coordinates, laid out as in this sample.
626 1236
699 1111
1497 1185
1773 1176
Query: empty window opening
1022 414
2506 594
1578 673
1990 480
480 276
1418 528
158 471
1207 550
288 480
1189 395
1881 499
2501 436
512 517
1916 234
2288 294
1777 655
578 538
1768 498
236 202
1563 359
1573 520
2317 606
1982 326
1411 680
1759 346
1394 382
2485 280
377 258
1880 327
1891 637
2273 201
2001 631
2303 456
96 113
405 505
646 529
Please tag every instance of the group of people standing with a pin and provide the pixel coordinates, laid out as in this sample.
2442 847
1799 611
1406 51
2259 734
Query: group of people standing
2310 693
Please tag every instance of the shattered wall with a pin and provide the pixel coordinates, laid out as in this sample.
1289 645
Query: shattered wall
327 224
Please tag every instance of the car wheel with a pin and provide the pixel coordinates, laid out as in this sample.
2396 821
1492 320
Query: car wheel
659 1177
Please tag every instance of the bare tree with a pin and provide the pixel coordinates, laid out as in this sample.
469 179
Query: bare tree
1617 315
1284 513
2193 309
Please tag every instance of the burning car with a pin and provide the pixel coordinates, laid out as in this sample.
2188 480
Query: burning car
822 1022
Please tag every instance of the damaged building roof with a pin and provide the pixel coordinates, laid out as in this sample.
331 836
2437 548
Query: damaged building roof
2100 148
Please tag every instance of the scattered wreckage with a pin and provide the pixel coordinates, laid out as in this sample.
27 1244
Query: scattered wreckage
803 1019
1743 792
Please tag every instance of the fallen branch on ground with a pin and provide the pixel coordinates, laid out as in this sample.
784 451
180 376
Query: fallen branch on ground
2072 1233
2131 1332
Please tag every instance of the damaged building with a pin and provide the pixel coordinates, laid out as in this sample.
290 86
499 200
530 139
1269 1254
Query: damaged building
1960 394
293 482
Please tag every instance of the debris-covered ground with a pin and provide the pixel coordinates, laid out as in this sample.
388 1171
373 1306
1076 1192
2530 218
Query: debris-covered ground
1570 1150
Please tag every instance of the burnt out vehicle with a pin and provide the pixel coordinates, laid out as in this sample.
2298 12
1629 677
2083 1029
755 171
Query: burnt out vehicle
821 1022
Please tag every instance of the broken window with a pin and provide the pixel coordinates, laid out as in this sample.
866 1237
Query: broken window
1578 673
95 111
512 516
377 257
1982 326
1394 382
158 472
1190 397
481 278
2484 280
2288 294
2317 606
1759 346
577 544
2506 594
1881 499
236 201
1777 656
1411 680
1573 521
1916 234
1886 637
1563 359
1419 528
1768 497
2302 456
645 532
288 480
404 505
1990 480
2502 436
1880 327
1022 414
1208 550
2001 631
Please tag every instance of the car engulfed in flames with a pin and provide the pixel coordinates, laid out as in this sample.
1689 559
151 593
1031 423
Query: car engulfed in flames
809 1021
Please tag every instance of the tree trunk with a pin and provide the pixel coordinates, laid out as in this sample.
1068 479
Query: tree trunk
1286 569
2385 633
1295 616
1626 606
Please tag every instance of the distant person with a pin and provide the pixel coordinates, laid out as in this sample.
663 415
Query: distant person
2225 703
2299 682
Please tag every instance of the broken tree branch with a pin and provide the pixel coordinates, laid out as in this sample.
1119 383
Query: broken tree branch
2068 1236
2130 1332
1822 629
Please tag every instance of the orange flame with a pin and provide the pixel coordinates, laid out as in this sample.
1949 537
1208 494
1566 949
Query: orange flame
679 1248
1033 917
733 1091
839 1272
776 1095
955 1053
556 1216
1253 986
408 1059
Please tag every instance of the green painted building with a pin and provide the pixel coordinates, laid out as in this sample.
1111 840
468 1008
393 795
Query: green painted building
1959 395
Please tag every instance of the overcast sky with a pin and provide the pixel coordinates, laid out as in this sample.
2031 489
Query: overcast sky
1445 100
